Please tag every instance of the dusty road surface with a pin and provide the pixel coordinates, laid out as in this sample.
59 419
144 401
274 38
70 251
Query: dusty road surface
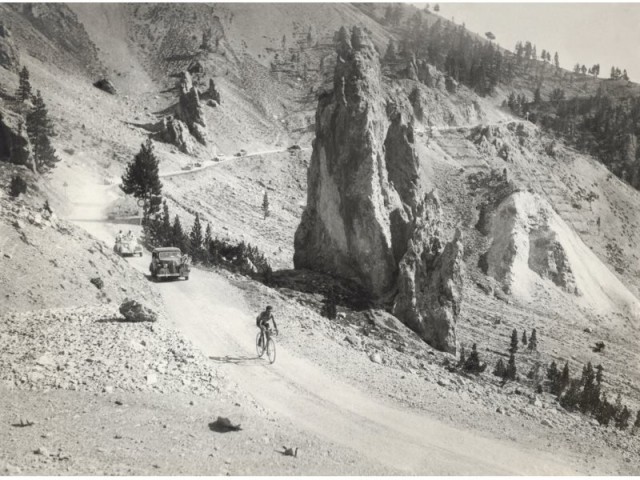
213 314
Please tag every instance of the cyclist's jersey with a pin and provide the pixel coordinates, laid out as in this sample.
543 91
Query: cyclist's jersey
264 318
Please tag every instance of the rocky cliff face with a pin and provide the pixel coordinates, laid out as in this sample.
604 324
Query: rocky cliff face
365 209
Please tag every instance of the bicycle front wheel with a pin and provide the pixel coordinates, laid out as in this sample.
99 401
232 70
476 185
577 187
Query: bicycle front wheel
259 345
271 350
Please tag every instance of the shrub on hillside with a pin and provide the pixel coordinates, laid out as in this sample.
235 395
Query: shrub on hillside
473 364
17 186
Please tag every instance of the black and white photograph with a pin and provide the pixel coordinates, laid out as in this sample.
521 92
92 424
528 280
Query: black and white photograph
337 239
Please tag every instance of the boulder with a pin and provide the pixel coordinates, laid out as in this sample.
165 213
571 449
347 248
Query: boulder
106 86
133 311
376 358
353 340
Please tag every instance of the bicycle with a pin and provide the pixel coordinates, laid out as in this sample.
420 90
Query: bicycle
269 345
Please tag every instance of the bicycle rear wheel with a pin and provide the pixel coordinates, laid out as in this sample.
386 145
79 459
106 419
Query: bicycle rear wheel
259 345
271 350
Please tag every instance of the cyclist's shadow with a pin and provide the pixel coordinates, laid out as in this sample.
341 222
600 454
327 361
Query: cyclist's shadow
244 360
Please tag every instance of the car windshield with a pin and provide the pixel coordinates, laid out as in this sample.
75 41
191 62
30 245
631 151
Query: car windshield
168 255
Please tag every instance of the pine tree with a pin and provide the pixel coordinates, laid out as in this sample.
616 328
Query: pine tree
552 372
537 98
177 234
636 424
207 236
463 356
556 60
500 370
533 341
265 204
604 412
511 371
571 396
513 348
590 397
524 337
473 364
599 374
622 419
39 129
195 238
562 381
166 230
534 373
390 55
141 178
24 86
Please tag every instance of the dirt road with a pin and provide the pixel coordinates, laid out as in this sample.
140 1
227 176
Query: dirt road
213 314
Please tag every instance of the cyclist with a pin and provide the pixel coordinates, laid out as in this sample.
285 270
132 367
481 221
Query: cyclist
262 322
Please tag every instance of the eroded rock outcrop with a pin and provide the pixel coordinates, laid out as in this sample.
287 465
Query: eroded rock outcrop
531 244
176 133
189 108
212 93
347 227
430 280
14 143
367 217
186 122
9 56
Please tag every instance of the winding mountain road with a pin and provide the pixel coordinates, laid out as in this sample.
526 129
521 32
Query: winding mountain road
215 317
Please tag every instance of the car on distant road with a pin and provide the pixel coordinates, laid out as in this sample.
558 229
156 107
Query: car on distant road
127 246
169 262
